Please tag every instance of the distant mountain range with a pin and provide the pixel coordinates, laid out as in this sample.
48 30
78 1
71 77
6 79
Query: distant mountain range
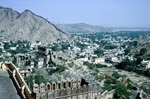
28 26
117 29
82 28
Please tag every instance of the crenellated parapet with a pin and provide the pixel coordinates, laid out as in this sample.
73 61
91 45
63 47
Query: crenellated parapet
59 85
66 89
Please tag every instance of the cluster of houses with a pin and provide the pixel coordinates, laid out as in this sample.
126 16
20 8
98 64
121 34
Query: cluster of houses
110 56
42 58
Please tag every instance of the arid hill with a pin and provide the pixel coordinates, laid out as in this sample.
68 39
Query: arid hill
28 26
82 28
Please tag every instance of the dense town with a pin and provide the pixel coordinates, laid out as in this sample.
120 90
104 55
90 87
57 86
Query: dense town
95 58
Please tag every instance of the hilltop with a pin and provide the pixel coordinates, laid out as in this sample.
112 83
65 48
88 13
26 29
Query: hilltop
28 26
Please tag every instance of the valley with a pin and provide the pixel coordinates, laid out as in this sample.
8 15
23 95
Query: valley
45 60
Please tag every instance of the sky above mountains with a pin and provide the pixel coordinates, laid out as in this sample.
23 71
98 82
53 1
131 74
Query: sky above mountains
109 13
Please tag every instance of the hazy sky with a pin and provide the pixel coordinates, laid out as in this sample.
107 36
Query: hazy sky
110 13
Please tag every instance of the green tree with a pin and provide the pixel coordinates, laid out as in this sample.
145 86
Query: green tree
99 52
80 45
51 71
6 45
126 63
65 46
60 67
108 47
127 50
55 47
122 92
107 87
29 79
142 51
99 77
89 65
110 80
139 60
134 43
1 50
129 86
40 78
116 75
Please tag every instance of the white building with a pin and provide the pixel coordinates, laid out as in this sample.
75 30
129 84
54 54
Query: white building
148 65
84 59
13 48
114 59
99 60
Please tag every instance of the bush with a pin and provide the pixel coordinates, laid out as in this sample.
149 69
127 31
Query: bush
99 78
60 67
51 71
110 81
89 65
116 75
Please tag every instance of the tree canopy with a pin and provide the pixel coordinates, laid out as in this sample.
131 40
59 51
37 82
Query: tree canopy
122 92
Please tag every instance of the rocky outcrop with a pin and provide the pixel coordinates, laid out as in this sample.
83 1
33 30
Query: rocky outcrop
144 38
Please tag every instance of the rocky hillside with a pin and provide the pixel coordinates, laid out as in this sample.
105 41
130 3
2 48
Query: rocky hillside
28 26
82 28
144 38
142 49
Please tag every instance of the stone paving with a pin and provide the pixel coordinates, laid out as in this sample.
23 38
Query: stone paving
7 89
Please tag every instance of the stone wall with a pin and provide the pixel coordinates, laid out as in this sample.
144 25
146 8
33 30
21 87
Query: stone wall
18 81
66 90
70 90
61 90
75 92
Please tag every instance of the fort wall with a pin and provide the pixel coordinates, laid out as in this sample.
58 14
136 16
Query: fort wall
72 89
18 81
75 92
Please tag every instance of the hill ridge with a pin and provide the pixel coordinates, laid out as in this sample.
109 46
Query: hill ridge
29 26
82 28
